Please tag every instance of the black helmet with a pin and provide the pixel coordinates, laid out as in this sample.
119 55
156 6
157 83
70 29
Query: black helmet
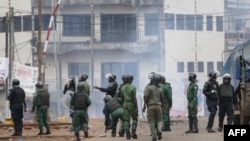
156 78
83 77
39 85
162 79
212 74
124 78
191 76
15 82
80 87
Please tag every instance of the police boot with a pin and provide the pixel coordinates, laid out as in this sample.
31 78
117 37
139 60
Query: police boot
121 133
40 131
210 123
190 126
48 131
133 135
77 137
195 122
128 135
159 134
221 119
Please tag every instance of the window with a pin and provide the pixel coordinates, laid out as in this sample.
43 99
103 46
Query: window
209 23
200 67
119 68
190 22
2 24
76 25
220 67
190 66
199 22
17 24
210 66
180 22
45 21
239 24
180 66
27 23
151 24
76 69
219 23
118 28
170 21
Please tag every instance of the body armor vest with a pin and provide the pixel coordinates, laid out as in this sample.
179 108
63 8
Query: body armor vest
226 90
17 96
44 97
80 101
112 105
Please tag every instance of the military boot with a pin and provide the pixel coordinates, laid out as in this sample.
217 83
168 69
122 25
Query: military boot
48 131
128 135
77 137
190 126
159 134
40 131
86 133
164 128
195 122
121 133
133 135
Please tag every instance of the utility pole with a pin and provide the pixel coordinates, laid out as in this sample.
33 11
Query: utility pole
6 51
195 37
11 44
39 45
161 43
92 49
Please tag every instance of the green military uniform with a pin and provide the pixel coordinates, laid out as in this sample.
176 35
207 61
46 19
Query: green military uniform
166 112
114 108
155 100
128 92
41 105
192 105
80 102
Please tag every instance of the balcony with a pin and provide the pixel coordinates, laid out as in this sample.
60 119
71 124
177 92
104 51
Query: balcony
137 48
48 3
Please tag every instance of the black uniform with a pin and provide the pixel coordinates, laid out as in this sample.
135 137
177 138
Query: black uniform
210 90
17 106
227 98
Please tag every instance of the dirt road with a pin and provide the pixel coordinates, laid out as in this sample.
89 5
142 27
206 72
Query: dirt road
96 132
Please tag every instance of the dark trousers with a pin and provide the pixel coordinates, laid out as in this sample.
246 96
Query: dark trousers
212 108
17 116
223 110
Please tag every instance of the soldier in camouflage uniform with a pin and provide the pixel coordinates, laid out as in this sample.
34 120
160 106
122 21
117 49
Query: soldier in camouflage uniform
154 101
128 93
167 90
113 106
79 103
17 106
192 99
41 104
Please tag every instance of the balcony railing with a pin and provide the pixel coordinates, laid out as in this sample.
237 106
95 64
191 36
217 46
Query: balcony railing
47 3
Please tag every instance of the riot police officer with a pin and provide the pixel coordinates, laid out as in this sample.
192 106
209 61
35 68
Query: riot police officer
113 106
17 106
210 90
112 87
79 103
167 90
128 93
83 79
227 99
41 104
110 90
154 101
192 99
